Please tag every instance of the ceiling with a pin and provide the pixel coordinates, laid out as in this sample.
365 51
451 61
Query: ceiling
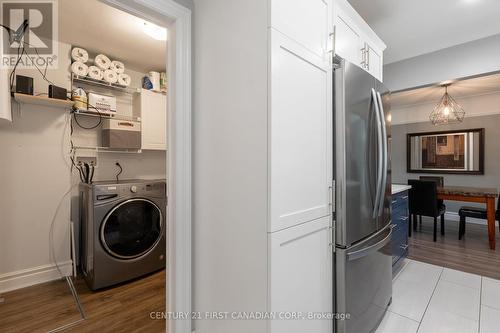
100 28
411 28
464 88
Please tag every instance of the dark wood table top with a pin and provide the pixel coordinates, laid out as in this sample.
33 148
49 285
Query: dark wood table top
468 191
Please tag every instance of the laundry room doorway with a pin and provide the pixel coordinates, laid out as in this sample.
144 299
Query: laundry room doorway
111 201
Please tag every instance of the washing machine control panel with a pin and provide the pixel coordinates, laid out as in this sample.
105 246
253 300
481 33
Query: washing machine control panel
109 192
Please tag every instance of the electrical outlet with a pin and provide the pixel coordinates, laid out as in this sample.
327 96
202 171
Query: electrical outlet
88 160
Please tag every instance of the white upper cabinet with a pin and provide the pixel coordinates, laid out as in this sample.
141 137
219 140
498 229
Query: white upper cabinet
153 111
355 41
373 62
308 22
300 141
347 39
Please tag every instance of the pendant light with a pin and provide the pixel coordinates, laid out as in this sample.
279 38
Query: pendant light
447 110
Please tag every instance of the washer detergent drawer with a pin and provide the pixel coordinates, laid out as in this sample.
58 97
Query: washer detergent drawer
364 283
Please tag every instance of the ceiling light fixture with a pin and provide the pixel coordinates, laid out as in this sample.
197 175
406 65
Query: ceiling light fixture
447 110
154 31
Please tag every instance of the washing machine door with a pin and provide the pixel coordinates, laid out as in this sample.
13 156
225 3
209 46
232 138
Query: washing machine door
132 228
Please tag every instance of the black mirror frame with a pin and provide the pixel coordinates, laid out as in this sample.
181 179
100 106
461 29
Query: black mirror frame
481 132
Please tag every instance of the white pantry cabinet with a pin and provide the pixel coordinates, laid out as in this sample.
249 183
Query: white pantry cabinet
355 41
277 81
300 117
301 276
152 107
300 164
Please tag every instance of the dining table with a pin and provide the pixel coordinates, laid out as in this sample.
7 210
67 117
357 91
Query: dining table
486 196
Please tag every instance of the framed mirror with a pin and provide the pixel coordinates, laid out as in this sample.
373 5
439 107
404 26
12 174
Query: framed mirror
446 152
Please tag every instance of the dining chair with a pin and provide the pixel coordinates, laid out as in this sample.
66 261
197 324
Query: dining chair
474 212
424 202
440 181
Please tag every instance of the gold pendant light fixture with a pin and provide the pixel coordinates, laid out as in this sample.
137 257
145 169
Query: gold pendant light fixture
447 111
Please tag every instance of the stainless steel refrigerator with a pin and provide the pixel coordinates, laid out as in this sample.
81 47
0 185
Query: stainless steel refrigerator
363 258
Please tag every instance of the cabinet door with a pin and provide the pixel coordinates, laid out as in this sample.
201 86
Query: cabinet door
154 120
374 63
300 143
347 39
305 21
301 276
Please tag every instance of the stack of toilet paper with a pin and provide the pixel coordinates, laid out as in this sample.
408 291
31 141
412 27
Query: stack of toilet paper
103 68
79 57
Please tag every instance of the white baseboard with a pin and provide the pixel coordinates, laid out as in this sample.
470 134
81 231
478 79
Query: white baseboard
31 276
453 216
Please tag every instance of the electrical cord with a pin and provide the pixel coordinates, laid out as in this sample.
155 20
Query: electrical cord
13 73
120 172
52 251
44 73
44 76
91 127
20 51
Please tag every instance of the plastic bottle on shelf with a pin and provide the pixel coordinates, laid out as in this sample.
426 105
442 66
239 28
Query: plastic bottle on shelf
163 82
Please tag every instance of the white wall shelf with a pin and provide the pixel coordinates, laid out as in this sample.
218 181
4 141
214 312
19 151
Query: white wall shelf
106 150
102 84
87 113
43 100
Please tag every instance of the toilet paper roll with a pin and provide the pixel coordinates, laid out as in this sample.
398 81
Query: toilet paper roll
102 61
117 66
79 68
124 79
110 76
95 73
79 54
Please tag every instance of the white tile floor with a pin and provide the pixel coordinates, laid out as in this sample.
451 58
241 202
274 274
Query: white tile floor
433 299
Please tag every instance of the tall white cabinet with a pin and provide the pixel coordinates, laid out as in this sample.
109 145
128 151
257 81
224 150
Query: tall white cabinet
263 162
300 163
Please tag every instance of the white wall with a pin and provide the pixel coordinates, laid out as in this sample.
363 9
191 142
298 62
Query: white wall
469 59
34 173
481 112
474 106
229 167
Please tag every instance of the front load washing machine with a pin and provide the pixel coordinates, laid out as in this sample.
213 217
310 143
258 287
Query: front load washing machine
123 230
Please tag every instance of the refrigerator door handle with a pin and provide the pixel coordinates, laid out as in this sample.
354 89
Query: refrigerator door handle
376 205
385 162
369 249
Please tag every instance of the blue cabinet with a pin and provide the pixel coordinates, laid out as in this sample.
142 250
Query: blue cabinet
399 240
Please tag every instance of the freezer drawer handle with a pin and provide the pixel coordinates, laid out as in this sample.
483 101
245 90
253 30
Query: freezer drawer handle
372 248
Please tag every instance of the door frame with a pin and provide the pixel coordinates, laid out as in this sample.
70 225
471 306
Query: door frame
177 19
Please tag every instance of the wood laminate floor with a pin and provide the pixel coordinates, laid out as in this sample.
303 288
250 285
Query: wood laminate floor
471 254
124 308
